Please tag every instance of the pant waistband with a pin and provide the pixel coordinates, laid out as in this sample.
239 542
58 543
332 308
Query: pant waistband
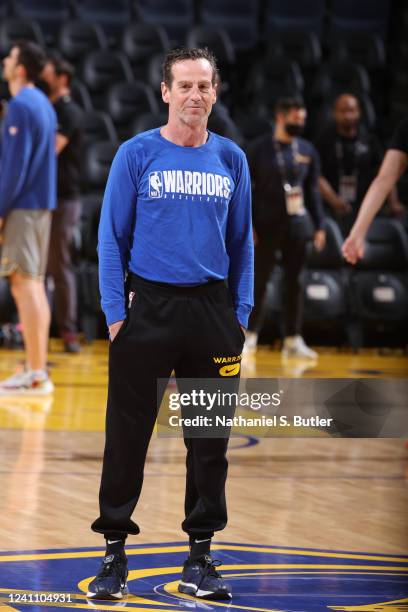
194 290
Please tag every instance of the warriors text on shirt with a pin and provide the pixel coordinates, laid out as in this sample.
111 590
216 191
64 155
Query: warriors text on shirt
187 182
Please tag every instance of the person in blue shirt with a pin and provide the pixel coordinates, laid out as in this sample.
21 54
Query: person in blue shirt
176 218
27 198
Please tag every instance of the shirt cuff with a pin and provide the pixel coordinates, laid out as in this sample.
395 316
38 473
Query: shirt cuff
115 313
242 312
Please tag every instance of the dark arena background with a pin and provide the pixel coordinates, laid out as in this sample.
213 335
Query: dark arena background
318 521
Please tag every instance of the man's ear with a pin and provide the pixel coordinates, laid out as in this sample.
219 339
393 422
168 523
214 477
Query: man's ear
164 92
21 71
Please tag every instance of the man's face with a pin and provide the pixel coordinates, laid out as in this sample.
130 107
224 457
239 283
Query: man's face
191 94
347 112
50 77
10 64
295 116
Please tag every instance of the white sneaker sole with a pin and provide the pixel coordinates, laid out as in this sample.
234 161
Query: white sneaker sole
32 392
190 588
105 595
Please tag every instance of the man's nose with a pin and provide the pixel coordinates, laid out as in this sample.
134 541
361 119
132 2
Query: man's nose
195 93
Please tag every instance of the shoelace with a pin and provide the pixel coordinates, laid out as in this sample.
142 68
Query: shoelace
209 566
112 566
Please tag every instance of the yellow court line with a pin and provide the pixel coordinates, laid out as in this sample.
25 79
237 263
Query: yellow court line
185 548
171 588
297 572
375 607
161 571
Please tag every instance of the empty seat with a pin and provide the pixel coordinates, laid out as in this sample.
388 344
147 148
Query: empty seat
125 101
81 95
13 29
386 246
238 17
217 40
379 285
176 16
140 41
100 69
325 295
364 15
301 47
331 256
380 305
363 48
336 77
76 39
148 121
221 122
274 78
90 316
252 125
112 15
97 163
301 15
155 74
98 126
4 9
48 13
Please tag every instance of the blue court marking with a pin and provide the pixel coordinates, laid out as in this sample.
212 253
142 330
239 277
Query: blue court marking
246 442
263 578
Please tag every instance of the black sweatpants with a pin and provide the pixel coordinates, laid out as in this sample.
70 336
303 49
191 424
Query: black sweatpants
291 239
167 328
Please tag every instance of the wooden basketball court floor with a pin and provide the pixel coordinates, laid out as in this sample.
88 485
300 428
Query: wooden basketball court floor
296 506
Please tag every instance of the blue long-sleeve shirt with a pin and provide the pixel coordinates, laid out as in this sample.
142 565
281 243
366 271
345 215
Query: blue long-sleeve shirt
28 162
179 215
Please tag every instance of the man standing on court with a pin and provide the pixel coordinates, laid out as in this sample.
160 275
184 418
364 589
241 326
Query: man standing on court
177 217
27 197
58 74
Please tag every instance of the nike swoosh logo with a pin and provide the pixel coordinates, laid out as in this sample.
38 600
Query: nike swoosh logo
199 541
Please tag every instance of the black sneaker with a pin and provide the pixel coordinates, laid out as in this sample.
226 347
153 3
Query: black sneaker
201 579
110 581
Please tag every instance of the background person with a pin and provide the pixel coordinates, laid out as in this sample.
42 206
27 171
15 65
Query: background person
350 156
285 172
58 74
393 167
27 197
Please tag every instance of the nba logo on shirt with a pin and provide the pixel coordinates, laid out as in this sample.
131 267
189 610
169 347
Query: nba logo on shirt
155 184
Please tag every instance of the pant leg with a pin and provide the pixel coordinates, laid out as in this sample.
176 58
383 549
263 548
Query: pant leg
293 261
264 262
65 219
214 334
145 349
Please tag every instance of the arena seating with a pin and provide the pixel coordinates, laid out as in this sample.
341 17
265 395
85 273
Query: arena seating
266 48
379 285
76 39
